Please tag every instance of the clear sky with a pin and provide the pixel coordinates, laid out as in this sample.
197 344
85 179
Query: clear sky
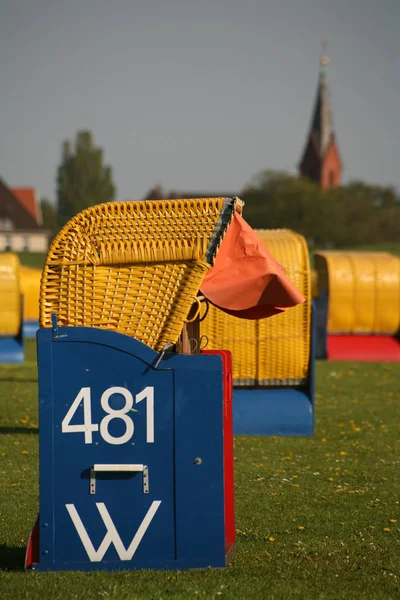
195 94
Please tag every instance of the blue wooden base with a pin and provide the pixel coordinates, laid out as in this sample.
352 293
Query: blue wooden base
11 350
278 411
30 328
153 564
92 419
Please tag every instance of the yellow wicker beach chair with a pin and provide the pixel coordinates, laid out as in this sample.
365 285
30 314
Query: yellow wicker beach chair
364 291
30 287
10 295
314 284
133 267
273 351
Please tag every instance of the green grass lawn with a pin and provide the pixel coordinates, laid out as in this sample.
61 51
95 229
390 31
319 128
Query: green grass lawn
392 247
316 518
32 259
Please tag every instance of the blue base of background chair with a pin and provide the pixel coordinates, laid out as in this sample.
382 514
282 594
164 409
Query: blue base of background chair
321 304
272 411
285 411
30 329
12 350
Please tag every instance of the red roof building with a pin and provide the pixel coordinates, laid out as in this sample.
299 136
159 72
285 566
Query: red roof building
28 198
20 221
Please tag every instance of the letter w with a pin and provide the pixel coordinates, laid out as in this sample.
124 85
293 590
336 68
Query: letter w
112 536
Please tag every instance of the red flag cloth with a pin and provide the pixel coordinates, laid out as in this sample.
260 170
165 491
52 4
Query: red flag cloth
246 281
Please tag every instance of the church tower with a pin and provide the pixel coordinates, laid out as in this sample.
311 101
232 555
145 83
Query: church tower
321 160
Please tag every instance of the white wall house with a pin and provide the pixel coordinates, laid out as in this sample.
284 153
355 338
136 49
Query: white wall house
23 241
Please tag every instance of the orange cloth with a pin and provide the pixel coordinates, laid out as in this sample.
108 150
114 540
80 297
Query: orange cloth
246 281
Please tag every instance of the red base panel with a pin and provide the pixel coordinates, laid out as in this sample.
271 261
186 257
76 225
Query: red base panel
373 348
230 531
32 550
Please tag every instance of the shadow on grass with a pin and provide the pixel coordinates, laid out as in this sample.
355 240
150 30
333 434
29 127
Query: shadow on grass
11 558
18 380
19 430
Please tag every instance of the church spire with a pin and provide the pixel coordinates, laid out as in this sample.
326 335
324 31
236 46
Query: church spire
322 121
321 159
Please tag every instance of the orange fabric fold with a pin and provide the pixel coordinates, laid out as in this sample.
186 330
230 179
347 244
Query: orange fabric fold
246 281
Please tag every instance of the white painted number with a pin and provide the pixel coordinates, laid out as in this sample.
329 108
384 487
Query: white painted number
87 426
116 414
148 393
122 413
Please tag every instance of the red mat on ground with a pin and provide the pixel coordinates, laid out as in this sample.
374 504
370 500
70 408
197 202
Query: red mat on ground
373 348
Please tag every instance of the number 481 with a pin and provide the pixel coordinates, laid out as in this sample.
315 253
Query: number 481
88 427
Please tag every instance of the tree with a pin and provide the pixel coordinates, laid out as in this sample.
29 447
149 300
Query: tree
155 193
278 200
82 179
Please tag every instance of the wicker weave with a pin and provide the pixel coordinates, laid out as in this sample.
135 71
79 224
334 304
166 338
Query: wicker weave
133 267
364 291
10 295
273 351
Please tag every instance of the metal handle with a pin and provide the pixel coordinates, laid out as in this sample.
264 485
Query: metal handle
138 468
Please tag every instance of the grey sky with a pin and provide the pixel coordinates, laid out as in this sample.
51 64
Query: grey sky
196 95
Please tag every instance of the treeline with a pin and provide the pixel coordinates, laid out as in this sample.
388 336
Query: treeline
352 214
